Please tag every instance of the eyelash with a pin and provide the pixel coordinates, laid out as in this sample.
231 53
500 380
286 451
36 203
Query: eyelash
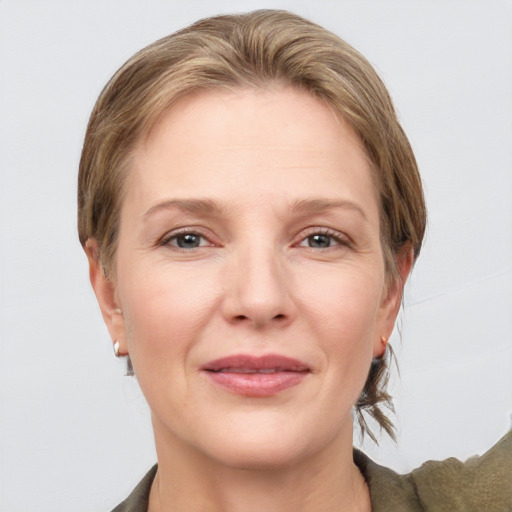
175 235
338 238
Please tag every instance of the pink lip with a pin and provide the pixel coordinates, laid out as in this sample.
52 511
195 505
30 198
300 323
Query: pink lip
256 376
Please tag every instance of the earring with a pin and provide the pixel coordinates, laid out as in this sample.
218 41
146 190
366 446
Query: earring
379 360
116 348
384 343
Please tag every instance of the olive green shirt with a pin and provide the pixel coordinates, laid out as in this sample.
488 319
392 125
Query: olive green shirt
481 484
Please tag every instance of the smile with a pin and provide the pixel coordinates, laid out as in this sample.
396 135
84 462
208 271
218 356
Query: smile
250 370
256 376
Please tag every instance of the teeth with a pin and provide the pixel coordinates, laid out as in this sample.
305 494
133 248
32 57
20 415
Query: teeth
238 370
247 370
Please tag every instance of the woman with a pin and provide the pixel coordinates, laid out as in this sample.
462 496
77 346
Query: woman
251 209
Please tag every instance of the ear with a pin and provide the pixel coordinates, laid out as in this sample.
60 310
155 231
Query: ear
392 300
104 288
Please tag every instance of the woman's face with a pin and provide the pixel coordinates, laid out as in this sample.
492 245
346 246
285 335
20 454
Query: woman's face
250 276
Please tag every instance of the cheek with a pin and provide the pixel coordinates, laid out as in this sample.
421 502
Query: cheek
344 303
164 310
345 320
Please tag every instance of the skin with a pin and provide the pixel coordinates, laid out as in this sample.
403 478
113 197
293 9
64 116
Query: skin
271 195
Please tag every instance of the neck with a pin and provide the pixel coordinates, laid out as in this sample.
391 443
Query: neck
190 481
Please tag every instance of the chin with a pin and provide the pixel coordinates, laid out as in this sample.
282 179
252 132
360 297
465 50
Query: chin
260 456
268 446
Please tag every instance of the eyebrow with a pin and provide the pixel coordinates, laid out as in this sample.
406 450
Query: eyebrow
211 207
320 205
188 205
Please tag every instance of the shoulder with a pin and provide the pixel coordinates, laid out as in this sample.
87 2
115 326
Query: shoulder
480 483
138 500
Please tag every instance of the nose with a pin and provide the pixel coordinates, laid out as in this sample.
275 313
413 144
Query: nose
258 289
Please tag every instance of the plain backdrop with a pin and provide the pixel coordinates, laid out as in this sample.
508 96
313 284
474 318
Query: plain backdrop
75 432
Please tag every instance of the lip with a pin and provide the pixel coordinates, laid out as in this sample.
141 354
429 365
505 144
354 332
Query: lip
252 376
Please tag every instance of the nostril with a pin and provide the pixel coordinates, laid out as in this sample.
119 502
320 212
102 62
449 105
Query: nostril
243 318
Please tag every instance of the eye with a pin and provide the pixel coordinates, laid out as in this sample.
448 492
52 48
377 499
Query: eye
319 241
323 240
186 240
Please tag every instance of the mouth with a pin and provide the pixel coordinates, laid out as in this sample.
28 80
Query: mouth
256 376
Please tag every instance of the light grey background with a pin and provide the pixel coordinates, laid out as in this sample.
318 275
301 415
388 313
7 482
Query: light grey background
75 433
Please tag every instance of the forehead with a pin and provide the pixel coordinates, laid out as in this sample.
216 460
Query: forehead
251 141
244 113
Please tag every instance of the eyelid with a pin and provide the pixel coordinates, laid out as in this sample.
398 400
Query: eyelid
338 236
164 241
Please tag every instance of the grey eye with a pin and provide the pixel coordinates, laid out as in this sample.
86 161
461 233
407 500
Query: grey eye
188 241
319 241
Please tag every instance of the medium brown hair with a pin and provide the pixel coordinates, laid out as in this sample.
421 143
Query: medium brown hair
256 50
